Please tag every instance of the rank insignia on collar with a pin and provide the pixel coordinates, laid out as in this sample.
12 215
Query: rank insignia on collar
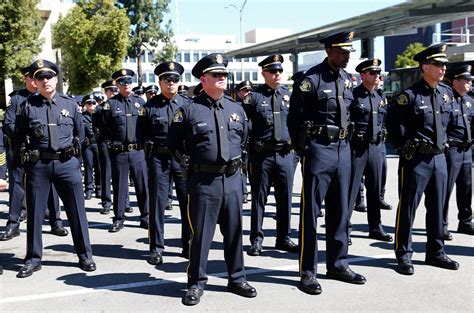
286 98
306 85
402 99
234 117
64 112
137 105
347 83
178 117
445 98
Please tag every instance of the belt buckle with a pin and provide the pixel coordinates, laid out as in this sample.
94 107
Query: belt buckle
130 147
342 133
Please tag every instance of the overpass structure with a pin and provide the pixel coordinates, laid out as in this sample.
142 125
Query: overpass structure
393 20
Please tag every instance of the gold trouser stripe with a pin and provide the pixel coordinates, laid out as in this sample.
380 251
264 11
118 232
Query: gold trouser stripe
302 218
397 223
2 158
192 233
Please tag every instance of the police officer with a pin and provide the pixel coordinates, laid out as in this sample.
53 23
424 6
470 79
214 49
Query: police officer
183 90
50 125
271 155
122 115
90 151
367 112
17 171
151 91
140 92
318 124
211 130
243 89
162 167
459 154
419 125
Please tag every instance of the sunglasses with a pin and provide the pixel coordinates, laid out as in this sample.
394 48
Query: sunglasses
124 81
246 90
219 75
373 73
171 79
91 103
274 71
47 77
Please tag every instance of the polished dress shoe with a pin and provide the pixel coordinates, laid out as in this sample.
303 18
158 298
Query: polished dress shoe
105 209
87 265
466 228
192 296
310 285
384 205
9 234
447 235
22 215
380 235
320 213
129 209
155 258
144 224
287 245
443 261
59 231
169 206
28 269
242 289
88 195
405 267
347 275
361 207
116 226
255 249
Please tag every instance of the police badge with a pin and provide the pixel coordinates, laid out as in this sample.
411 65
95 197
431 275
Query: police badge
445 98
171 67
306 85
40 63
234 117
64 112
219 59
137 105
286 98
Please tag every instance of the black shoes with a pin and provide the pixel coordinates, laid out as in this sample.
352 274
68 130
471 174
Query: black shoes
347 275
192 296
310 285
59 231
361 207
105 209
255 249
116 227
87 265
447 235
287 245
129 209
22 215
88 195
380 235
466 228
9 234
384 205
242 289
155 258
405 267
27 270
443 261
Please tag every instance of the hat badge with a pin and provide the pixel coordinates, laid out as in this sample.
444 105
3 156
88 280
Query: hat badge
469 67
443 48
375 62
171 66
219 58
124 72
276 58
40 63
351 35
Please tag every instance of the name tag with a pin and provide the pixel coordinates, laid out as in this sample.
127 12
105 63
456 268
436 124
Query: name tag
423 107
327 90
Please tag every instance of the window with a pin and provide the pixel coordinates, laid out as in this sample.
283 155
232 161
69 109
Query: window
254 76
133 60
187 57
150 56
247 75
187 77
254 59
151 78
178 57
134 79
246 60
142 57
196 56
239 76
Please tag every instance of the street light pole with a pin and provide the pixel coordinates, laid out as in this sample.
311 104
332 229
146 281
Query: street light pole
241 13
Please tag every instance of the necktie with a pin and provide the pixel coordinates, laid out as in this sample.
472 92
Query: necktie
437 120
467 127
340 103
52 128
276 118
373 118
170 113
221 132
128 121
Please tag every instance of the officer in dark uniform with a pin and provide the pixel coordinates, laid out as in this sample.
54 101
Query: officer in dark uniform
140 92
418 126
318 124
90 151
243 89
183 90
368 112
162 167
197 90
208 135
123 128
151 91
459 154
271 155
17 171
50 124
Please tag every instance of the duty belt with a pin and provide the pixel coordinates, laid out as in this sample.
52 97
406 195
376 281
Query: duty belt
364 137
63 154
228 168
331 133
272 146
89 141
160 150
458 143
119 147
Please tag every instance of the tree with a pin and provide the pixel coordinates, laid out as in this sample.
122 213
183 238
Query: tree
406 58
145 31
20 26
93 39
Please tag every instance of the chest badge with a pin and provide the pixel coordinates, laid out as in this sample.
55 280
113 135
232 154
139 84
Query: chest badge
64 112
347 83
137 105
286 98
234 117
445 98
468 105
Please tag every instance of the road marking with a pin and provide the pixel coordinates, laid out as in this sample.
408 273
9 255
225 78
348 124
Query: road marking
181 279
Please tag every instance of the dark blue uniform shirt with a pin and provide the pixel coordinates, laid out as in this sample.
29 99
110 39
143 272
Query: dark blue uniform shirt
360 110
16 99
456 128
89 129
193 130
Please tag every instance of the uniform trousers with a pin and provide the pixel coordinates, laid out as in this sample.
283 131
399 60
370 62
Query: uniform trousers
90 156
105 173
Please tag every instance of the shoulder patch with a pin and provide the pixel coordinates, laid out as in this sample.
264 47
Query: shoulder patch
106 105
248 99
402 99
306 85
178 117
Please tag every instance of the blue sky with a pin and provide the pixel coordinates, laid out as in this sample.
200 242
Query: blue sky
211 16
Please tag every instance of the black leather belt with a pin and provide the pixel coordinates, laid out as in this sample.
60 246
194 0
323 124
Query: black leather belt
119 147
459 144
363 137
331 133
272 146
228 168
89 141
63 154
427 148
161 150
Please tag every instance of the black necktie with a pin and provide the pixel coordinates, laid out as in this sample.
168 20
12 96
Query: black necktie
276 118
341 104
437 120
221 132
170 113
467 127
52 128
373 118
128 121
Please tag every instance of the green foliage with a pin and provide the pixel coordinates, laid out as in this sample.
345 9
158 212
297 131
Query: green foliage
406 58
93 38
20 26
146 33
